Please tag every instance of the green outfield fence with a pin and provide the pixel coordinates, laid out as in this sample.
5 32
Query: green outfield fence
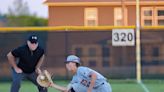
93 45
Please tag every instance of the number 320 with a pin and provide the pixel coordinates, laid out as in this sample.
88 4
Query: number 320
123 37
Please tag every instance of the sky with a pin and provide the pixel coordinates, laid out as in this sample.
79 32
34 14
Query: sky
35 6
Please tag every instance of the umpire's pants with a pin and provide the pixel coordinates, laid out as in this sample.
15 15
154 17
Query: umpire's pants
17 78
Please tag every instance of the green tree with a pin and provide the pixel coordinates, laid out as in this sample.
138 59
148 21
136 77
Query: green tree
19 8
26 21
19 15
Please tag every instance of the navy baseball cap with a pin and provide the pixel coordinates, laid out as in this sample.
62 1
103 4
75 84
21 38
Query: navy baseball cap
33 39
73 58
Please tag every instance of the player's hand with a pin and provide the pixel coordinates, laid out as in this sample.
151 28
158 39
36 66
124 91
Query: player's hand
18 70
38 71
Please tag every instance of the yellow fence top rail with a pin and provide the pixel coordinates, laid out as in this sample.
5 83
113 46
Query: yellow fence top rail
73 28
64 28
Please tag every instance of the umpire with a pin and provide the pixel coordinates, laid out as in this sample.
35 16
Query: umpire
26 61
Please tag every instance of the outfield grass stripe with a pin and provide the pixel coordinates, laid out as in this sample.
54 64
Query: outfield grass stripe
143 86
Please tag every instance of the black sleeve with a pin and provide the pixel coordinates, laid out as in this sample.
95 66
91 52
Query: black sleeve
42 51
16 52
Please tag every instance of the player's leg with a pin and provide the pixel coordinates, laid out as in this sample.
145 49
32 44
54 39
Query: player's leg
78 87
32 77
105 87
16 83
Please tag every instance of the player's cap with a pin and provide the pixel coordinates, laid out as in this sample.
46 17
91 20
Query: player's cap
33 39
73 58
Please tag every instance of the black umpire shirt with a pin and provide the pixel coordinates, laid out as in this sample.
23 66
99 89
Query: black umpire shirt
27 59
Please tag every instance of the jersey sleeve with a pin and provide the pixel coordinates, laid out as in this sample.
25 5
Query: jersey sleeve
16 52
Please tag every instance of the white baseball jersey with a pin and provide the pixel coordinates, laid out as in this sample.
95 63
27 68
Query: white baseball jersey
81 81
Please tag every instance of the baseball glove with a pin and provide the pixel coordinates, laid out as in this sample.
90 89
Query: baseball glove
44 79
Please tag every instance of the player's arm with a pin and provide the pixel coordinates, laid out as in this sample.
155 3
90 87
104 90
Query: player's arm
12 62
60 88
92 82
39 64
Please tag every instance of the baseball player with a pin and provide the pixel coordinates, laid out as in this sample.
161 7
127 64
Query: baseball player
84 79
26 61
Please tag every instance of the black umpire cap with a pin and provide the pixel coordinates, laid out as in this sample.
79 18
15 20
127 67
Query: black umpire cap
33 39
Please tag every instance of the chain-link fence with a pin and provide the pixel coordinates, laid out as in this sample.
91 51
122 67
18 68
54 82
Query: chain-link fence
95 50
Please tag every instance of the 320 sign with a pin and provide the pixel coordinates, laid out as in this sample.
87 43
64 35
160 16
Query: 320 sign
123 37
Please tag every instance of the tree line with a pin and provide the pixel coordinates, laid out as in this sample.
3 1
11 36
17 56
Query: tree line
19 15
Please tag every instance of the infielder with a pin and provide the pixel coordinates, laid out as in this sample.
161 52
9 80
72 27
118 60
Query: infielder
30 57
84 79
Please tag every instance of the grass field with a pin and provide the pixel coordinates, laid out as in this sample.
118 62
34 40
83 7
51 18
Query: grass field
117 86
